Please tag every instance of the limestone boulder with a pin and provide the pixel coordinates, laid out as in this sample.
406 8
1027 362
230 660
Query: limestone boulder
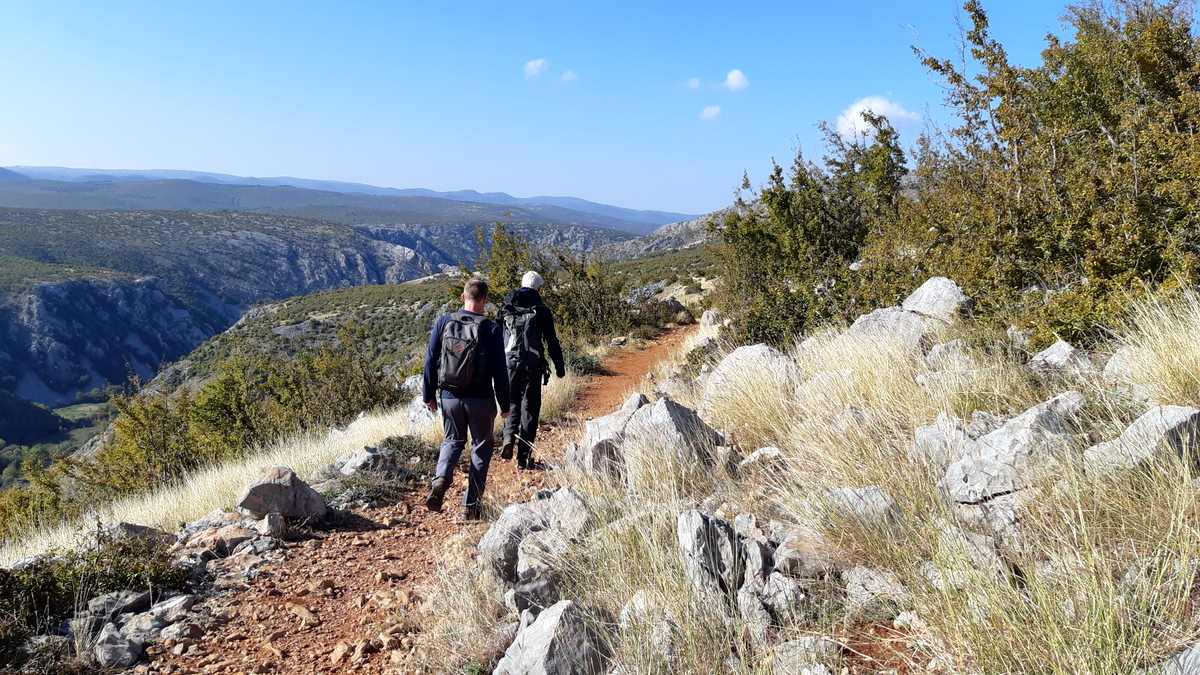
1121 372
873 595
143 627
646 617
805 656
940 443
604 459
1163 429
612 426
743 369
871 505
115 650
419 415
713 557
668 429
280 490
1062 359
567 512
174 610
952 356
116 603
939 298
540 553
559 642
784 598
913 331
499 547
599 452
1009 458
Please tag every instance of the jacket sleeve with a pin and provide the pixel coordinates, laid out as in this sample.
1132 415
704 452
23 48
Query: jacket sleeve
551 338
499 368
430 378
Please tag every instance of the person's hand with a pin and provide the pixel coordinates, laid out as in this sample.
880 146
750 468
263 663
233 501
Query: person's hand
504 414
432 405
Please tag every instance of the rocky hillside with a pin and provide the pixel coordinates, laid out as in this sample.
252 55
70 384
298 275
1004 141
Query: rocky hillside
89 297
393 321
174 279
671 237
907 494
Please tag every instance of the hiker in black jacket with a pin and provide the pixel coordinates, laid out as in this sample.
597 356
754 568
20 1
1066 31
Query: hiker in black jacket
528 335
465 373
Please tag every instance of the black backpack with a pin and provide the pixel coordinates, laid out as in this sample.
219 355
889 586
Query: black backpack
522 338
459 364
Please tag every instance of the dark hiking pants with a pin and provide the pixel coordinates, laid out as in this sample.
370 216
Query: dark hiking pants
460 416
525 392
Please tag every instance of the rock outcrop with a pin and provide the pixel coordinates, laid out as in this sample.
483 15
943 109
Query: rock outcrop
560 642
1007 459
1163 429
280 490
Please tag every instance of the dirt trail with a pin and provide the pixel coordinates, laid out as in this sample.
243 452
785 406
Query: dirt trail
341 589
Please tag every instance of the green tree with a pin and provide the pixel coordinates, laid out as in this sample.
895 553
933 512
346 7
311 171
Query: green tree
505 256
786 249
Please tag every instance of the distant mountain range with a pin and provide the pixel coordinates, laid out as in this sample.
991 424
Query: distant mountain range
353 203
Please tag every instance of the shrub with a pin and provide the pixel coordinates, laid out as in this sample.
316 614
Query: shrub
370 488
588 299
160 437
39 597
582 362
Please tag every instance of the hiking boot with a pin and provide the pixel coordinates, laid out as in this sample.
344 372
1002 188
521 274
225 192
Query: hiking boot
473 512
437 495
506 452
530 464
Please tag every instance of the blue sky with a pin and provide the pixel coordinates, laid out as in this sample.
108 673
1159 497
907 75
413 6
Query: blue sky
444 95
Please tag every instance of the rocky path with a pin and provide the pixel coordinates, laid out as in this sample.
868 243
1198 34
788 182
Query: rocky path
332 602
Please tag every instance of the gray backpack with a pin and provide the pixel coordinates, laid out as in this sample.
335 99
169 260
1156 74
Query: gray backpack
458 366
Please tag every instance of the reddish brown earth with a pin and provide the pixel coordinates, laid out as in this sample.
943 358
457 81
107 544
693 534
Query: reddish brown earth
344 587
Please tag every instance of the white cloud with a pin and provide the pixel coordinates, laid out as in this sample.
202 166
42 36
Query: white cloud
693 83
536 67
735 80
710 112
851 123
569 76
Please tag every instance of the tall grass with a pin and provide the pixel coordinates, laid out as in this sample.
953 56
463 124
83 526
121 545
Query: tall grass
1097 575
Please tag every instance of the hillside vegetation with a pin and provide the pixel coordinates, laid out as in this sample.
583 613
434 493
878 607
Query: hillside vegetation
1059 190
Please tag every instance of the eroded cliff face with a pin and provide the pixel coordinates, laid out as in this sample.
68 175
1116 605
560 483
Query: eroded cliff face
68 337
60 339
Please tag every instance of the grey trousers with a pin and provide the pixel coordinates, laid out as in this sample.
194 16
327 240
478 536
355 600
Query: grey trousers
460 416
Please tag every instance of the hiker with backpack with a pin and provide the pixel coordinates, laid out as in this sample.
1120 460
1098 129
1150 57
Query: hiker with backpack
466 374
529 334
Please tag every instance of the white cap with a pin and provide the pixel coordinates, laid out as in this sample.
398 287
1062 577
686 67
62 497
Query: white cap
532 280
